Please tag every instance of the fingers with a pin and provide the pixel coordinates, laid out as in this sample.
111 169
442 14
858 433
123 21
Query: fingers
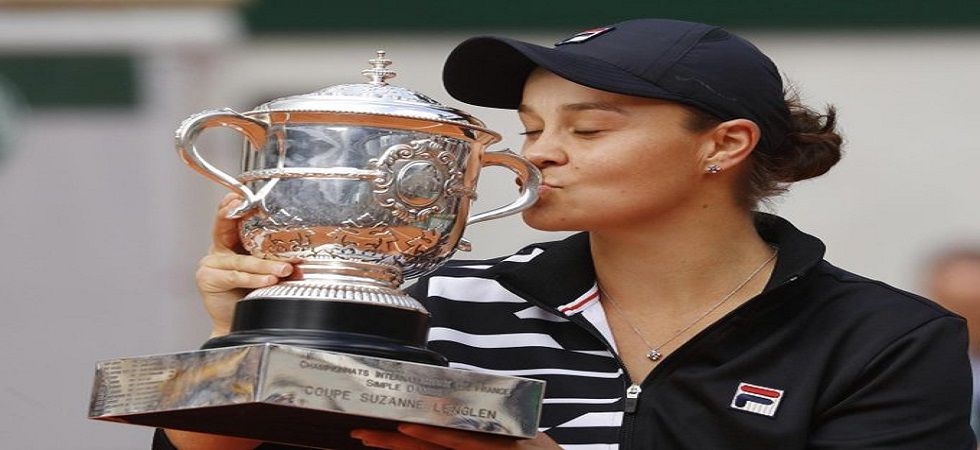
224 233
228 199
216 281
392 441
246 263
222 272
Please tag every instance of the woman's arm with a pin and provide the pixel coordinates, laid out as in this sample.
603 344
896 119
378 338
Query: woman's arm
422 437
223 277
225 274
187 440
913 395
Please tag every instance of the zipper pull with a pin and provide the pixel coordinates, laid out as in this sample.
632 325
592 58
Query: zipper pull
632 397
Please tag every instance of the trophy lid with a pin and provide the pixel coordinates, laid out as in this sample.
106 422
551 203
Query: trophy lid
375 97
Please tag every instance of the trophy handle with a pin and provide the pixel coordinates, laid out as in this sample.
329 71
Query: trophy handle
527 174
254 130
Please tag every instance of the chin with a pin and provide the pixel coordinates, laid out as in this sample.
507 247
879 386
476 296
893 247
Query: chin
543 221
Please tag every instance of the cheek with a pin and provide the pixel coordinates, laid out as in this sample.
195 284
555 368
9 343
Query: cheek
678 158
657 176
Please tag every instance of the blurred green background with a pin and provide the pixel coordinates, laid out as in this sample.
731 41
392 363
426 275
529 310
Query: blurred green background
109 80
277 16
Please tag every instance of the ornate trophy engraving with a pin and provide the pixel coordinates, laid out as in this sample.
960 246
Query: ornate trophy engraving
366 185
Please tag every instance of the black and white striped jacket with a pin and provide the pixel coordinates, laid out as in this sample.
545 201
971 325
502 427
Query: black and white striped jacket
822 359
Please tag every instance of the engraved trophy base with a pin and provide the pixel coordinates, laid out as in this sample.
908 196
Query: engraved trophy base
339 326
304 397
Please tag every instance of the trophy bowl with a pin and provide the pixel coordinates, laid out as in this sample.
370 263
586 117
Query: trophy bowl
365 185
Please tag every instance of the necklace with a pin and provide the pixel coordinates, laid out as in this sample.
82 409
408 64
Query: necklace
653 352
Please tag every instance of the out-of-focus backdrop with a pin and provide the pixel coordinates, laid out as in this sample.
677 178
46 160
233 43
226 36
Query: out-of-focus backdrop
103 225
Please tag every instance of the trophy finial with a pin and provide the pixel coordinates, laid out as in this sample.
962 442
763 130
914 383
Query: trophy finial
380 73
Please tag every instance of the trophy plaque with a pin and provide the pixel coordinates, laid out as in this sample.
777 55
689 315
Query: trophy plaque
365 185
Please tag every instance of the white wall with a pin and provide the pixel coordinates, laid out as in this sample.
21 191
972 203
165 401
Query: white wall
908 183
103 225
101 222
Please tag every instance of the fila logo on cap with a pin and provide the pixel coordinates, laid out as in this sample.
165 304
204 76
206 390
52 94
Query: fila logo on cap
757 399
584 35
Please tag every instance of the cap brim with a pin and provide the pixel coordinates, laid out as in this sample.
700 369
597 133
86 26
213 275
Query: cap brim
491 71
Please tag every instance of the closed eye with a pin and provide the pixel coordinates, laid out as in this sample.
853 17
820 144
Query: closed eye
587 132
530 132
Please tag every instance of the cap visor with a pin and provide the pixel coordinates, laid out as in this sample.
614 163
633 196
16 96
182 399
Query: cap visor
491 71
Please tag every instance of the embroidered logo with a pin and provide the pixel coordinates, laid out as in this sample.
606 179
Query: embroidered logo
757 399
583 36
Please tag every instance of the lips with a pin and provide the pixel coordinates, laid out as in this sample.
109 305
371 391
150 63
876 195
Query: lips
546 189
543 185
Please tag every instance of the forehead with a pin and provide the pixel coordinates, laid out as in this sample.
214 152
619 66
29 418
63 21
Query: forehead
546 91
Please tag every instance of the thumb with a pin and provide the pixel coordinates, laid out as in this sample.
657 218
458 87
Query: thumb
224 232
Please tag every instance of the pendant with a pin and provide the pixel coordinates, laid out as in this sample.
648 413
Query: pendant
654 355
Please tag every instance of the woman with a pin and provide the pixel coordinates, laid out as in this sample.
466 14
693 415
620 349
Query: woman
680 319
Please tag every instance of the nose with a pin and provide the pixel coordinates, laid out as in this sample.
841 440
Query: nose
544 151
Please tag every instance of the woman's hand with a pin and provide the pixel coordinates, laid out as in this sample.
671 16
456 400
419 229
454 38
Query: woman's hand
225 274
422 437
188 440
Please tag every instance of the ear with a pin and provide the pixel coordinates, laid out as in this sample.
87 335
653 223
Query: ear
731 142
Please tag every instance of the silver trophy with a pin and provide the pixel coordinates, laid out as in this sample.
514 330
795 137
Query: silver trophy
366 185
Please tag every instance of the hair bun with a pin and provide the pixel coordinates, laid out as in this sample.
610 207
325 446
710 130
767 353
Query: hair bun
811 147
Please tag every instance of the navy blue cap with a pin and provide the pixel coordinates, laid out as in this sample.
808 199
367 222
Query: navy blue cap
696 64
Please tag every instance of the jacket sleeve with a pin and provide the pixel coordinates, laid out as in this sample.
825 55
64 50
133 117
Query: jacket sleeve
914 395
419 291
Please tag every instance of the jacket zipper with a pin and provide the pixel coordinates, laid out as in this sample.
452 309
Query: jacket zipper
632 398
629 416
633 390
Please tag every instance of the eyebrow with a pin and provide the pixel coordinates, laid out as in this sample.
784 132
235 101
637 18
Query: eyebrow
585 106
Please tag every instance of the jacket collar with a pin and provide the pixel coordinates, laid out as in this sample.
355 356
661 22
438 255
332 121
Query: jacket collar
564 271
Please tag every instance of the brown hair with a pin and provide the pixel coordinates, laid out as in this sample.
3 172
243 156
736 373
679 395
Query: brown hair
811 147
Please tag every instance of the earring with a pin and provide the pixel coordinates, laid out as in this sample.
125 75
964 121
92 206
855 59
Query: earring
713 168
